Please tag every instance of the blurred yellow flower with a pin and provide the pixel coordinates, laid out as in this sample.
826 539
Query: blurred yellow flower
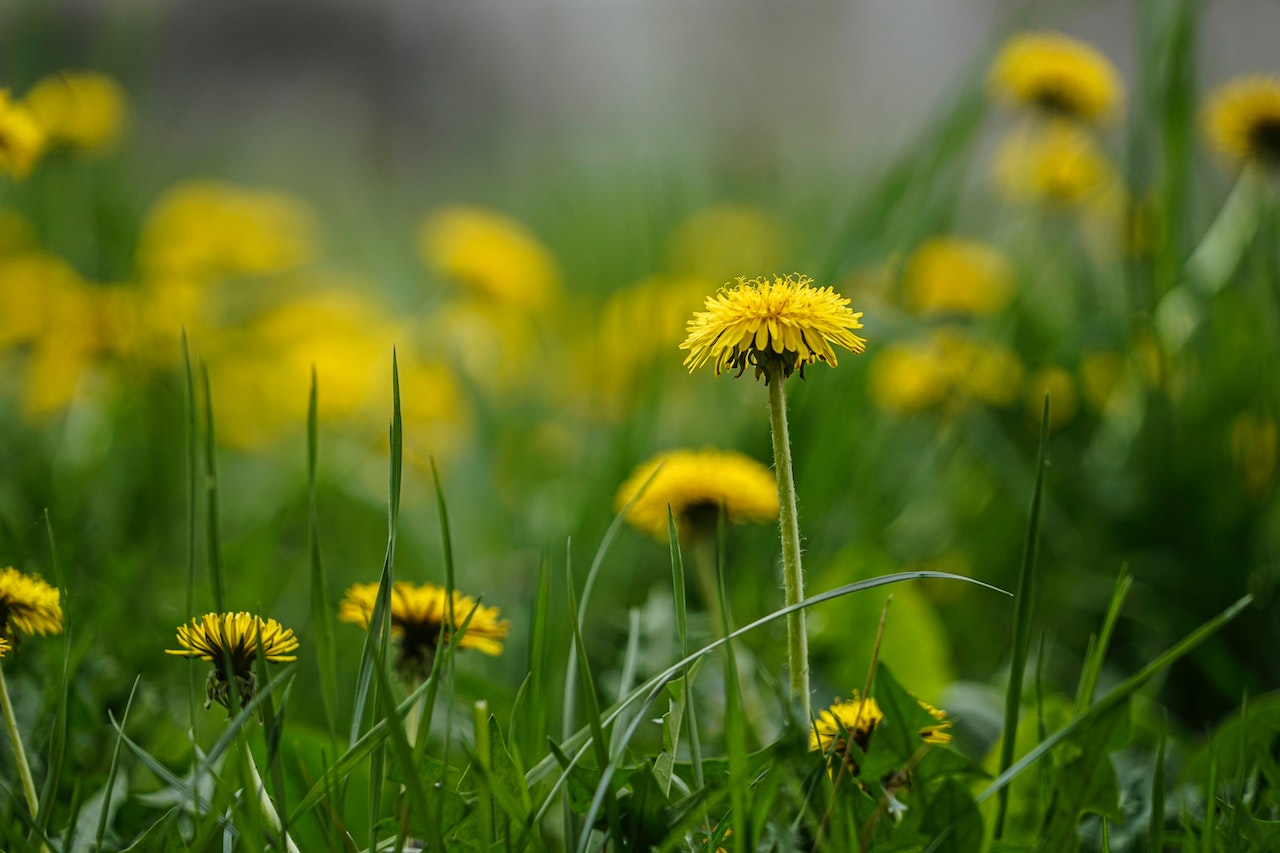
1102 374
205 229
493 254
418 615
21 140
85 109
952 275
1242 119
938 733
38 291
1063 400
946 369
234 638
1255 444
28 605
719 241
853 720
1055 74
783 320
696 484
1056 165
5 648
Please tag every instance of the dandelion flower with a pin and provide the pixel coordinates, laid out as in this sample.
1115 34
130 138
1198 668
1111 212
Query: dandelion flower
1063 398
854 720
696 484
492 254
4 647
233 638
28 605
85 109
1057 75
418 616
21 139
718 241
783 321
1056 165
1243 120
952 275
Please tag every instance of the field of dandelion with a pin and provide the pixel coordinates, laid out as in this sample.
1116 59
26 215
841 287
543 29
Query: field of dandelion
367 509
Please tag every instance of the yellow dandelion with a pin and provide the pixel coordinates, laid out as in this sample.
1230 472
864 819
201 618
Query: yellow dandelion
492 254
233 638
419 613
85 109
846 721
783 321
1055 74
1063 398
1242 120
696 484
28 605
1056 165
21 139
938 733
906 378
5 648
952 275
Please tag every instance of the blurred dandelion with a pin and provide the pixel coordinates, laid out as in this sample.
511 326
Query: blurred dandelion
1057 165
1242 120
21 140
5 648
949 275
696 484
846 722
1061 388
230 641
28 605
718 241
938 733
82 109
1057 75
421 617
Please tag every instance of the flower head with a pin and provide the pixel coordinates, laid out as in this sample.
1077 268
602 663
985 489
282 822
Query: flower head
1243 120
853 721
232 639
28 605
1056 165
81 108
695 484
784 321
419 615
952 275
21 139
1057 75
492 254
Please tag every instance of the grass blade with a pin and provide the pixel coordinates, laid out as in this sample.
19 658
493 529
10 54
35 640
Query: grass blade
321 612
112 769
212 524
1098 653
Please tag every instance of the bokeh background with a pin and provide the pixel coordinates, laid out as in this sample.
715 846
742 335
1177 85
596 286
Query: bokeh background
283 189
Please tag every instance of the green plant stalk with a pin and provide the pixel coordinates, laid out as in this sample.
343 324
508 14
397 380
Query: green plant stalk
789 531
20 754
264 801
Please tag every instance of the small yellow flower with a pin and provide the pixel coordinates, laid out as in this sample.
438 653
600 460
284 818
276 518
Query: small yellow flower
695 484
418 614
85 109
28 605
951 275
492 254
1055 74
1063 399
938 733
1056 165
208 229
21 139
907 378
1242 120
854 720
219 637
949 369
783 320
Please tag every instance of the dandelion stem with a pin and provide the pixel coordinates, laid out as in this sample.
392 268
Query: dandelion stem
264 801
789 528
20 754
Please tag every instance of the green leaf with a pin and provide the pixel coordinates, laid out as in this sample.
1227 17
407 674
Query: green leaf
163 836
1084 778
951 804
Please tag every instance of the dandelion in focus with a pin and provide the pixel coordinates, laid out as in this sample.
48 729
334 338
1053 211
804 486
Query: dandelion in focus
21 139
949 275
696 484
421 617
82 109
779 325
492 254
1057 75
230 641
1242 120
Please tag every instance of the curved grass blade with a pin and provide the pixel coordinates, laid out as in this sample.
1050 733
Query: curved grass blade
111 771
